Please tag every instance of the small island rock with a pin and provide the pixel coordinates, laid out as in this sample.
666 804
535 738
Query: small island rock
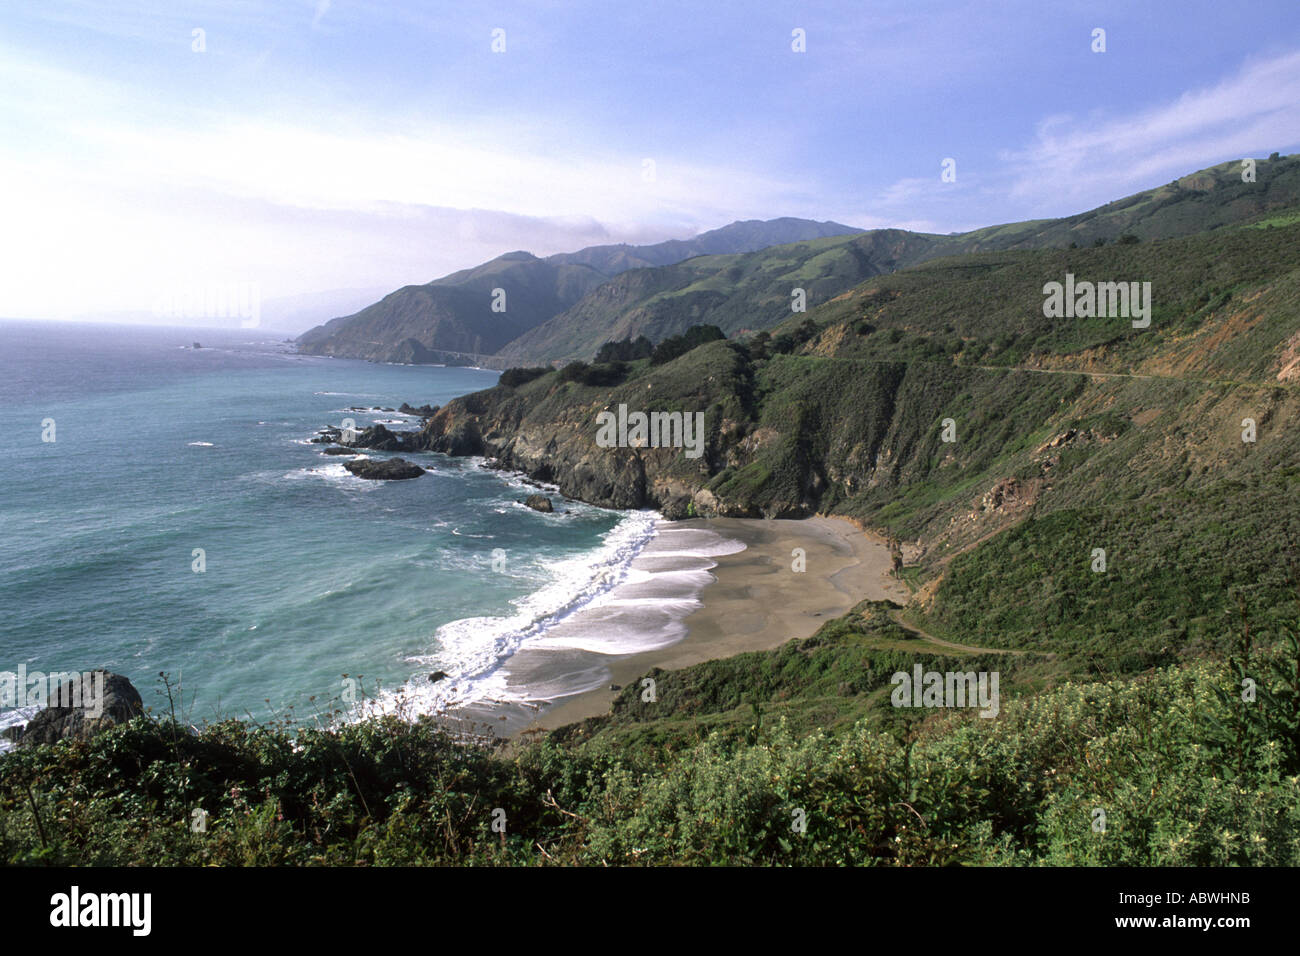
391 469
106 699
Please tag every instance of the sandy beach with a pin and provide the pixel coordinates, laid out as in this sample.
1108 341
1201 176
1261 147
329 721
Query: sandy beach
757 601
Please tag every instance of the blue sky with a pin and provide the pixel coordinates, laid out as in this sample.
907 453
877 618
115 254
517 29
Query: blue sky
329 144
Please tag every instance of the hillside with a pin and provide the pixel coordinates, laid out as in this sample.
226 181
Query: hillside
753 292
1070 435
751 288
455 314
748 235
736 293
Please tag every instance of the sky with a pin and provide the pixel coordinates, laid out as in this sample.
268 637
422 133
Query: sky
303 146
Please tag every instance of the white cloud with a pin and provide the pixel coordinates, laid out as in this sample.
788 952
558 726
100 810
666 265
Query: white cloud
322 8
1097 158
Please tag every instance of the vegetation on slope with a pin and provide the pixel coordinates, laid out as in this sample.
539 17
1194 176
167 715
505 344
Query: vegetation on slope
1172 768
743 277
1069 436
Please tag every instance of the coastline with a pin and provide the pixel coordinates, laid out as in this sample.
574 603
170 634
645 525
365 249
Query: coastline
754 602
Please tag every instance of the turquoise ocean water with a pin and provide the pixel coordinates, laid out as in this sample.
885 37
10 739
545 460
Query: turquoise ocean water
310 573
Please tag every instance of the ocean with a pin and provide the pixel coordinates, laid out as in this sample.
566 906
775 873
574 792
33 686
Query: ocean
181 523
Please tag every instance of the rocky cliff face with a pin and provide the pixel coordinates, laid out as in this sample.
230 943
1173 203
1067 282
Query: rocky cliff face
563 450
548 429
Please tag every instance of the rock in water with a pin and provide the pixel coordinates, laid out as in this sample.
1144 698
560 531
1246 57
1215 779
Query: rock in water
539 503
391 469
94 702
376 436
424 411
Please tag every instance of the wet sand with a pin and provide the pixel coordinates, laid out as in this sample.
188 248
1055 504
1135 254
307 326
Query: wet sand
756 602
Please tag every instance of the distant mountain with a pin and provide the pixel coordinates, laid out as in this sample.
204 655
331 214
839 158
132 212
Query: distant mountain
744 276
754 290
749 235
455 314
741 292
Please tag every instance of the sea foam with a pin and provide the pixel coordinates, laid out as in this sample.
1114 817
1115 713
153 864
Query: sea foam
629 595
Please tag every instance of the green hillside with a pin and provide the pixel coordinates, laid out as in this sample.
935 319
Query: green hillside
564 307
1071 435
463 316
753 292
456 313
737 293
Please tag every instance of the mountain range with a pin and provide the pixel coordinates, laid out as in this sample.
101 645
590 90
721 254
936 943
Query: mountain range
741 277
453 319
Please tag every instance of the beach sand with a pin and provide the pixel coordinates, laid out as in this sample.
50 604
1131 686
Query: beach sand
756 601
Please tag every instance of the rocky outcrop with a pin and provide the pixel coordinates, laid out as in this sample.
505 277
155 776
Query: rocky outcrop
547 429
379 438
540 503
424 411
376 437
102 699
387 469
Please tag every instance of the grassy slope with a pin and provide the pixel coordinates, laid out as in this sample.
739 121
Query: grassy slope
1098 435
455 313
753 291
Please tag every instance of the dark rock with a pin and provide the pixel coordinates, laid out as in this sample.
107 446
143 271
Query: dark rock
424 411
463 439
615 686
107 699
379 438
676 508
539 503
335 450
389 469
437 676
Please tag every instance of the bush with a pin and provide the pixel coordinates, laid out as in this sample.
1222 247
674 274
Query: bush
628 350
1183 772
606 374
678 345
514 377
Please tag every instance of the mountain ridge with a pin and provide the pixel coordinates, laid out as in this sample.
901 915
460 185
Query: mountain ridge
454 313
749 291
